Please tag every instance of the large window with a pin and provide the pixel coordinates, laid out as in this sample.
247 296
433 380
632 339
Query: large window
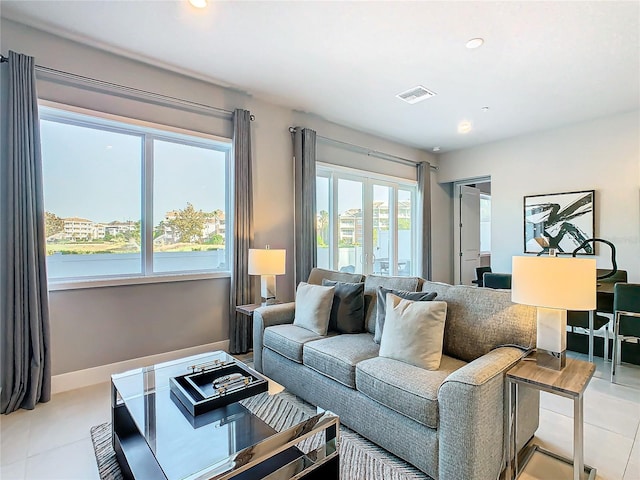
365 223
126 200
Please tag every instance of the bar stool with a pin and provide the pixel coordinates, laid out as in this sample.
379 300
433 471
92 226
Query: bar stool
626 307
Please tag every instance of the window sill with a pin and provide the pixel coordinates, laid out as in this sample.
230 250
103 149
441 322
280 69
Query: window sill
58 285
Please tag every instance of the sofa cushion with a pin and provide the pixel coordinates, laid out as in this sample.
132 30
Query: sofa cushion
318 274
371 284
287 340
413 332
409 390
347 311
313 307
336 357
381 300
481 319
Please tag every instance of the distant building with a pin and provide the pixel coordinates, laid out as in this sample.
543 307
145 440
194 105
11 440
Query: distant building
114 228
76 228
350 221
99 230
214 225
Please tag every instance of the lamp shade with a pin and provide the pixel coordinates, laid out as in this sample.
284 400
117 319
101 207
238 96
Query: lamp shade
554 282
267 261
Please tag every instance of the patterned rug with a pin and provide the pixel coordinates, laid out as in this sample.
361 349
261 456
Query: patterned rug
359 458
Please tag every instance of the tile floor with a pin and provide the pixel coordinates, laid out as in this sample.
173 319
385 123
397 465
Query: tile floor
53 441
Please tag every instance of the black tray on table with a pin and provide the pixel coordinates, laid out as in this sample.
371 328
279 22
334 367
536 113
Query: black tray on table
196 393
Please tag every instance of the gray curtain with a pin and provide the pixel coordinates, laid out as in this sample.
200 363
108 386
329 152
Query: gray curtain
424 208
305 202
240 326
26 365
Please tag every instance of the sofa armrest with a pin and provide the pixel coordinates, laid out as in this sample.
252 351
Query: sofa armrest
264 317
471 407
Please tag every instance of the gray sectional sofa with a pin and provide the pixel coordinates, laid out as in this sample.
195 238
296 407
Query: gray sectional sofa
449 422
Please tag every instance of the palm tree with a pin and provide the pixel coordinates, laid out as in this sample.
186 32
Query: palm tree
323 226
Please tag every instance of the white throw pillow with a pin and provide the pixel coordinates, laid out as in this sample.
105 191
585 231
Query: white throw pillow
313 307
413 332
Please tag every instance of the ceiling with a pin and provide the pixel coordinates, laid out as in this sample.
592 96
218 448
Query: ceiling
542 65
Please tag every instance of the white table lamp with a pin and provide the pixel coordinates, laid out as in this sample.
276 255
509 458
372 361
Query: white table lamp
267 263
554 285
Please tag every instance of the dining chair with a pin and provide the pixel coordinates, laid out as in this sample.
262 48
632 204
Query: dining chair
605 302
480 271
497 280
626 307
581 319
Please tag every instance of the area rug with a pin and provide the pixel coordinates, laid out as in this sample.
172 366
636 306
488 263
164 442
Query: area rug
359 458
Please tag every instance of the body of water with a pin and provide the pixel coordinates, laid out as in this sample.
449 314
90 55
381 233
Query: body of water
100 264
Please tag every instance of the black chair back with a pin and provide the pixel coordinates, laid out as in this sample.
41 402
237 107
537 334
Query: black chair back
626 298
497 280
480 271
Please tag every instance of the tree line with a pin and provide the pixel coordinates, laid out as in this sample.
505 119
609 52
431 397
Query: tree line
186 225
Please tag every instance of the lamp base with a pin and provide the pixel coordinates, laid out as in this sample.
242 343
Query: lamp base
551 339
551 360
268 289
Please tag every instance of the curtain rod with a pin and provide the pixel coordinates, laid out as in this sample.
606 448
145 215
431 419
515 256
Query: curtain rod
369 152
131 90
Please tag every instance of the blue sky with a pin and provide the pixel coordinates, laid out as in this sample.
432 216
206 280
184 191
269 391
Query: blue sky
96 174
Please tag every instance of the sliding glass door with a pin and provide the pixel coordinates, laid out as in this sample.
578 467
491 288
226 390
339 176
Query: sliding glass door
365 224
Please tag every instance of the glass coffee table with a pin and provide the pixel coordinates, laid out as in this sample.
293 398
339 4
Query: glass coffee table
264 436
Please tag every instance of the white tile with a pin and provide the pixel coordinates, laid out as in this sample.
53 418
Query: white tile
633 467
14 436
543 467
611 413
635 452
607 451
556 403
627 374
13 471
68 417
632 472
600 409
623 392
70 462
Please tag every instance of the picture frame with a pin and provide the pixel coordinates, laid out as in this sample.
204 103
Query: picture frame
562 221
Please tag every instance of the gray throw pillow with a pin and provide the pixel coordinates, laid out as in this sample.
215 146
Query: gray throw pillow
414 332
382 305
313 306
347 312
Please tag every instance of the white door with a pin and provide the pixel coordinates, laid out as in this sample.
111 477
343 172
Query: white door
469 233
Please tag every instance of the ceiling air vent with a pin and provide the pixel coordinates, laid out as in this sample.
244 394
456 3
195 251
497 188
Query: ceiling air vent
416 94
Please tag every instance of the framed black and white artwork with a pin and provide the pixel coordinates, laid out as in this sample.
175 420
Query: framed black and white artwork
559 220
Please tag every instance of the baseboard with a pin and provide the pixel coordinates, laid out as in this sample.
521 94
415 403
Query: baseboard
101 374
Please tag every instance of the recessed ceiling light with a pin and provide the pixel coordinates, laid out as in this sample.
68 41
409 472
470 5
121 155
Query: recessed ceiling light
464 127
198 3
485 109
475 43
436 149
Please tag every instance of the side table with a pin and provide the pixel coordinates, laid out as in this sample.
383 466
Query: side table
570 382
248 309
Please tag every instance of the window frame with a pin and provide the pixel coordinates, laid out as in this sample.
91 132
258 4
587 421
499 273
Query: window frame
334 173
148 132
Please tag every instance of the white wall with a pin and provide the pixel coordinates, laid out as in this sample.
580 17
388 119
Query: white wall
602 154
92 327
